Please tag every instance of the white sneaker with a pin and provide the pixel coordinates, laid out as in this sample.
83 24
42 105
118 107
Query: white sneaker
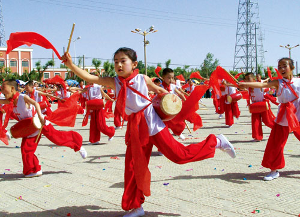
272 175
120 127
8 135
31 175
229 126
226 146
110 138
83 152
220 116
135 212
182 137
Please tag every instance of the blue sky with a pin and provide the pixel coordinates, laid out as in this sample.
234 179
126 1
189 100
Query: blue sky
187 29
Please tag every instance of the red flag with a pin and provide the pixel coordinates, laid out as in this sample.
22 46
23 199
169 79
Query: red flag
157 70
66 114
180 77
238 75
196 75
18 39
216 78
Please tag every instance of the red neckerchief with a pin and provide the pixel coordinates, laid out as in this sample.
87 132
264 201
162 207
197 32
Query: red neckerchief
166 86
120 104
290 110
10 108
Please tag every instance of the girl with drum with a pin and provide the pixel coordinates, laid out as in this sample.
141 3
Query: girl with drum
145 128
28 113
288 116
95 108
260 110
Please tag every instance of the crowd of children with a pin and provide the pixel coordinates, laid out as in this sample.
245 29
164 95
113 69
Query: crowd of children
132 93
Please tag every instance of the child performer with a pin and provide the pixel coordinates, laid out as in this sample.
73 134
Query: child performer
39 97
98 123
145 128
168 77
257 96
231 108
288 116
24 107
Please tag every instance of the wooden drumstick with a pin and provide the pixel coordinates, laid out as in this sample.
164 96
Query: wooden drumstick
187 126
70 38
202 104
38 136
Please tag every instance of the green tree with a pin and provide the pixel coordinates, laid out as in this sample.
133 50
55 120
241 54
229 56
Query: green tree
167 63
108 69
97 64
41 69
209 65
141 67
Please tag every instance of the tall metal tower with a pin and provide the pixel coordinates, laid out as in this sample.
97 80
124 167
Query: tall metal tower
2 31
248 46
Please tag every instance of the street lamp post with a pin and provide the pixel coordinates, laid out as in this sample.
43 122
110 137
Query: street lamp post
290 48
146 42
75 48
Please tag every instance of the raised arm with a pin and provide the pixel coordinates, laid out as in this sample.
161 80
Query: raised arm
153 87
273 84
107 81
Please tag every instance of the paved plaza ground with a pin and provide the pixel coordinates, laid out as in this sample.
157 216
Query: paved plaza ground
221 186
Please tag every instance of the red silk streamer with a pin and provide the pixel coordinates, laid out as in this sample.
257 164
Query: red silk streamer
157 70
66 114
238 75
196 75
18 39
270 74
185 86
217 76
191 104
245 94
121 100
290 116
180 77
137 137
279 76
56 80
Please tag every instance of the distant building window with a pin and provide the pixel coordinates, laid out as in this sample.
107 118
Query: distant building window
46 75
56 73
13 63
1 63
25 63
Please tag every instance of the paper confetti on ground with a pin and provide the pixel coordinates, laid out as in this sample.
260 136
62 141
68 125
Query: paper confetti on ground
115 158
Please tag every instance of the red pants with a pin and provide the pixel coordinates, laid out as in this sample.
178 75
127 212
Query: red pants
173 150
108 106
98 126
256 120
273 156
177 128
231 110
69 139
221 105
